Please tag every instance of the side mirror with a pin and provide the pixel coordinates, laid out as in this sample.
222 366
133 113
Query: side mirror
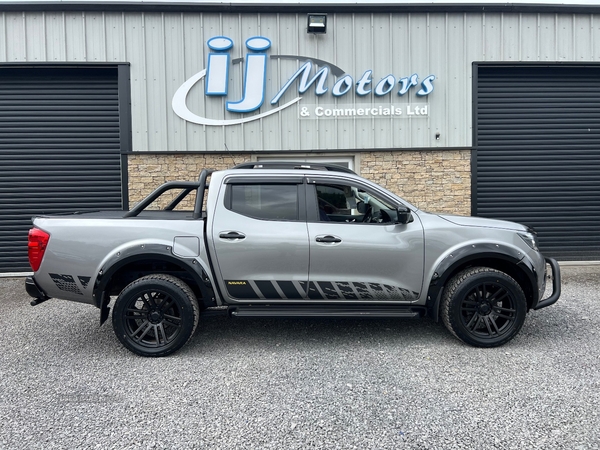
403 215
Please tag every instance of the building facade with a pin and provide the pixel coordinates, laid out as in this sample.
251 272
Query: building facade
491 110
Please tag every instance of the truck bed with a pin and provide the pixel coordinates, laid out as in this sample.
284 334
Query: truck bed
119 214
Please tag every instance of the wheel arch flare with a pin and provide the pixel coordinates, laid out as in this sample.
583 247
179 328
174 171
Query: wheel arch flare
504 258
114 270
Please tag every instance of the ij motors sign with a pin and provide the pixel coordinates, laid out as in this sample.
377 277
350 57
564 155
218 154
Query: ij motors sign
325 80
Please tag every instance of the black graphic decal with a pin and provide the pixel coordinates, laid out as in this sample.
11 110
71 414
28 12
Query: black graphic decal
65 283
346 290
268 290
328 290
289 290
319 290
304 286
84 281
313 292
240 289
363 291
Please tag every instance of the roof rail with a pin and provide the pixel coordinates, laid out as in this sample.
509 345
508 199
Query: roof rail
289 165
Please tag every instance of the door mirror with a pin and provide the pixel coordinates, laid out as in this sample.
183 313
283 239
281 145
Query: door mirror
403 215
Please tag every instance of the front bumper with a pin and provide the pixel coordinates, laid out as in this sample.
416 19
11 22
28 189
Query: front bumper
555 285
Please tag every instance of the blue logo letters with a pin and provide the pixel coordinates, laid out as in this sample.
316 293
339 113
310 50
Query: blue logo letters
217 74
255 77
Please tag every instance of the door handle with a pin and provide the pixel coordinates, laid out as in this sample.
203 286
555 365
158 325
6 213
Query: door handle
328 239
232 235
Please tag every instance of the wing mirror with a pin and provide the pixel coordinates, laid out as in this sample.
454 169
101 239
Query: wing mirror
403 215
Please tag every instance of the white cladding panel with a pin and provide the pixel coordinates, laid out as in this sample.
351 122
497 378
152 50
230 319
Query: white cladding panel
166 49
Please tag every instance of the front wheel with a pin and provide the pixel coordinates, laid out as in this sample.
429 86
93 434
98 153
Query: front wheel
483 307
155 315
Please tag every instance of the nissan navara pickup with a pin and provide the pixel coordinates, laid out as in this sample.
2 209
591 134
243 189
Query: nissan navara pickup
288 240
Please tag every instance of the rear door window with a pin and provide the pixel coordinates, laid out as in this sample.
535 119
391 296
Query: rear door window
264 201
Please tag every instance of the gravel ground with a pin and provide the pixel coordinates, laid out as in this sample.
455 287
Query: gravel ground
298 384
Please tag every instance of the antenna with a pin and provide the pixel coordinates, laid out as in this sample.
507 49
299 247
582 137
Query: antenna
230 154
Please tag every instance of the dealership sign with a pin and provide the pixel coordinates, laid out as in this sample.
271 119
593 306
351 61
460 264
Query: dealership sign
379 110
216 84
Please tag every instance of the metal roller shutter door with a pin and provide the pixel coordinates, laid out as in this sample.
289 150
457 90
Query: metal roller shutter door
59 149
537 146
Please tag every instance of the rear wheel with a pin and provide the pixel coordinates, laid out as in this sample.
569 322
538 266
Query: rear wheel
483 307
155 315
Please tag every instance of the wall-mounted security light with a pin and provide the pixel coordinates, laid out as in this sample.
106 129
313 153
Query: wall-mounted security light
317 23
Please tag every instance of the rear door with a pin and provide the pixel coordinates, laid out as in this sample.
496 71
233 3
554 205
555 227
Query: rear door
260 239
356 251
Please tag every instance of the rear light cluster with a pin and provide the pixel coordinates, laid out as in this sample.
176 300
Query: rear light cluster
38 241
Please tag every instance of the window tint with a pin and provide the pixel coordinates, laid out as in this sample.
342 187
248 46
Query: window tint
346 203
333 200
265 201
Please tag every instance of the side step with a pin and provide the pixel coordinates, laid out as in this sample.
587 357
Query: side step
293 311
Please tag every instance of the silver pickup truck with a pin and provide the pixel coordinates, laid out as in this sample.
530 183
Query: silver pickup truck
288 240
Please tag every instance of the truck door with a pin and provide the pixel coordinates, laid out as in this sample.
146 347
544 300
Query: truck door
356 250
260 239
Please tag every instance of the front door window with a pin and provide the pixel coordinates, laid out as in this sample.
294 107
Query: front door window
345 203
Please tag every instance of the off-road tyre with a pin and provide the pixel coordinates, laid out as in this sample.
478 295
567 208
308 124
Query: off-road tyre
483 307
155 315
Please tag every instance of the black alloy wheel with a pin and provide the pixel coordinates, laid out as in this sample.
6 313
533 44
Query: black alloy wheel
155 315
483 307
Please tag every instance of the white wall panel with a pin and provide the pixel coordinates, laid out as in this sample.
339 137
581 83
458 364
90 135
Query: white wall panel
114 25
174 60
165 50
582 37
55 44
529 41
3 37
154 38
547 38
75 37
565 42
455 99
95 49
135 53
218 137
35 29
194 47
511 36
16 38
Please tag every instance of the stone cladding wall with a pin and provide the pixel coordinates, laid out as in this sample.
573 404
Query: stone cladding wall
436 181
147 172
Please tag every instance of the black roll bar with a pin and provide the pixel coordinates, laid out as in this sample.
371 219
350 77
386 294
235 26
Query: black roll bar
186 186
200 195
183 194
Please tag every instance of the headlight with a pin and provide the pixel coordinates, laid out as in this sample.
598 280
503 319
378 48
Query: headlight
530 239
